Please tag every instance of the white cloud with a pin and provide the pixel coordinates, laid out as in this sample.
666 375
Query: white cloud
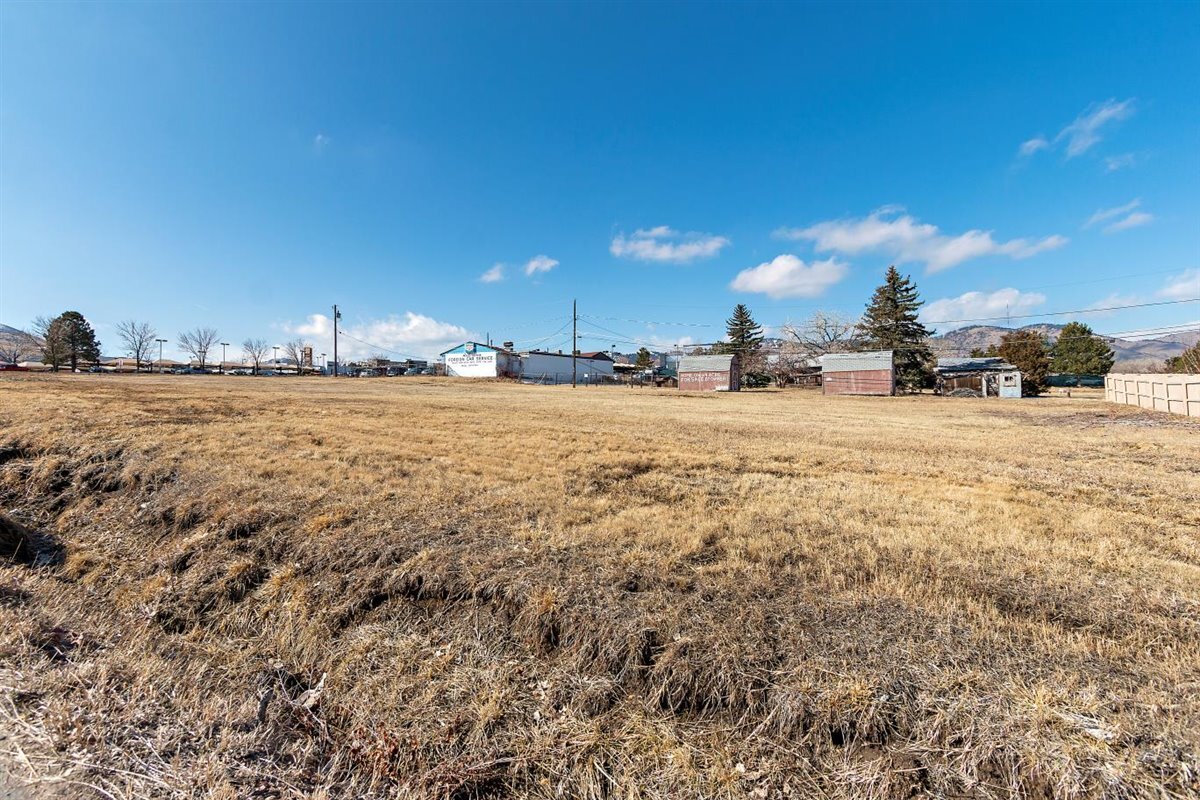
1108 213
1031 146
788 276
977 305
664 244
496 273
907 240
1115 299
408 334
1111 301
664 343
1134 220
321 141
1184 286
539 263
1084 132
1114 163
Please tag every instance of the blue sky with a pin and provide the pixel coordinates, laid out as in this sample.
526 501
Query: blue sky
443 171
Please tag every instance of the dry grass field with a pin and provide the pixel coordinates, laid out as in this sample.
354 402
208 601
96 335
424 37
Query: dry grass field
410 588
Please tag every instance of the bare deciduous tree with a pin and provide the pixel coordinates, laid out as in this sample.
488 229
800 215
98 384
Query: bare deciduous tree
138 338
54 345
294 349
822 333
197 342
17 346
256 351
787 363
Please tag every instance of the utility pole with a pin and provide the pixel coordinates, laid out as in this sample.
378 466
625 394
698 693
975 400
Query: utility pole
160 344
336 316
275 361
574 337
223 346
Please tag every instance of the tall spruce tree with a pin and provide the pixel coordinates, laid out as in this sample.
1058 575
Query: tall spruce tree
73 338
1079 351
891 323
745 335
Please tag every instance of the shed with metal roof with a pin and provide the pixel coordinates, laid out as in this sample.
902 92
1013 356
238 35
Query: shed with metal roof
871 373
978 377
716 373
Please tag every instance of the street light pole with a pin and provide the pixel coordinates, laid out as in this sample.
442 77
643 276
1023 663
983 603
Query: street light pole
223 346
160 364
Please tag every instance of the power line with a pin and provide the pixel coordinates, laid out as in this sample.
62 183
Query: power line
1166 330
1095 310
1062 313
381 347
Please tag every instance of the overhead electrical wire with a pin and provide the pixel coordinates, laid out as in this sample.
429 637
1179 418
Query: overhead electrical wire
1096 310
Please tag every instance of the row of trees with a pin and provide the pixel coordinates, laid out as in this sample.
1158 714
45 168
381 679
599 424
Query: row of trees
891 321
1076 351
68 340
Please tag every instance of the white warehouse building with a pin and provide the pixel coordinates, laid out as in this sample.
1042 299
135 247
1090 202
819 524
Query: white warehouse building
478 360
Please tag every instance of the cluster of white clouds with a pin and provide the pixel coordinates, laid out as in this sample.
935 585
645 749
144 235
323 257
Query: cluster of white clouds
410 334
664 244
901 238
905 240
535 266
1123 217
945 314
1085 132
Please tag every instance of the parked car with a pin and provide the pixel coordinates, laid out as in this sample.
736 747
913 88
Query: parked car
413 371
428 371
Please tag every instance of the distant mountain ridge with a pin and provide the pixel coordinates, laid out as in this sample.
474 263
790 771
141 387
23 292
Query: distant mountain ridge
1128 352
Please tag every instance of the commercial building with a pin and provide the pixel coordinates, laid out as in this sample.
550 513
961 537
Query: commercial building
869 373
710 373
540 366
478 360
978 377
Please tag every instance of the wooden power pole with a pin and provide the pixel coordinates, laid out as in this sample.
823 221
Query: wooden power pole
336 316
574 337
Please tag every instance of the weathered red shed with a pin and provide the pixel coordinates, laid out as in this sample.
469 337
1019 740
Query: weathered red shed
710 373
870 373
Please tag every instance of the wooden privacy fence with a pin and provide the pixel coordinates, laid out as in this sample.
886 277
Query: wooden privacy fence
1179 394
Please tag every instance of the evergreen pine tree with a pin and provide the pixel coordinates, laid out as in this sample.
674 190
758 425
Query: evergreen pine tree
1079 351
74 338
891 323
645 359
745 335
